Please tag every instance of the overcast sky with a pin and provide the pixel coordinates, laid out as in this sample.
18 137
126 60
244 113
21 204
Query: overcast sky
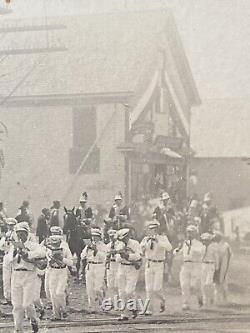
215 33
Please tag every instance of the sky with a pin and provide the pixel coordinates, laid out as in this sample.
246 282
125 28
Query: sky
215 34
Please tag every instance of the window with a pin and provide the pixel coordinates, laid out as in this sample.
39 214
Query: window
84 135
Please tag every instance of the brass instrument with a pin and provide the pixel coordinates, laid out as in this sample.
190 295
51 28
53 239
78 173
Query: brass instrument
22 253
56 256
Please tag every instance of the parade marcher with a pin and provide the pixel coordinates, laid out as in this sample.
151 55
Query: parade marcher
54 231
210 264
42 230
220 276
95 253
111 264
3 216
169 226
85 215
84 212
154 247
118 212
59 257
165 214
23 216
129 256
5 246
23 277
190 275
55 214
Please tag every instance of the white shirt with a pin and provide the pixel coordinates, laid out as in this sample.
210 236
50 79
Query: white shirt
100 255
193 251
133 248
156 249
34 251
66 254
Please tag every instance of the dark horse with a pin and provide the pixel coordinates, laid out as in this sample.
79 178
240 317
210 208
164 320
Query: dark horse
75 234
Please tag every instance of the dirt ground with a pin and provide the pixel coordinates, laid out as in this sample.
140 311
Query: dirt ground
239 300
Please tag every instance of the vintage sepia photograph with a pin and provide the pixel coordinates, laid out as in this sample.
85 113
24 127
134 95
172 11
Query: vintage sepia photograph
124 166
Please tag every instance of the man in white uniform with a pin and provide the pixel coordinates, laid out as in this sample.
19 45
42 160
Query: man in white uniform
23 277
95 253
59 257
190 274
220 277
154 247
111 264
5 246
129 256
210 263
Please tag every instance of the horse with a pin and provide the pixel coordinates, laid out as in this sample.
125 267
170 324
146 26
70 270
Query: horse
75 235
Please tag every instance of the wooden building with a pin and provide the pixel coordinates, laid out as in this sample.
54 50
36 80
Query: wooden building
109 114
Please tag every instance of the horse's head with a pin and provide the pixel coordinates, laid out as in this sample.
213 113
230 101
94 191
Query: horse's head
70 219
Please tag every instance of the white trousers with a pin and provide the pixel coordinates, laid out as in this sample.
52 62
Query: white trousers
57 282
190 278
207 283
7 270
22 297
37 293
221 291
112 277
46 285
127 277
94 284
154 272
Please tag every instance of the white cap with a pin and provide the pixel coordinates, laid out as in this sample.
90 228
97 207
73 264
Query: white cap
207 197
96 232
112 232
206 236
152 224
11 221
193 204
55 238
55 230
165 196
122 233
118 197
22 226
191 228
217 233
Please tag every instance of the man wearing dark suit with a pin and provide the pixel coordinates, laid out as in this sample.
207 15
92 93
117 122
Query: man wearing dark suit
42 230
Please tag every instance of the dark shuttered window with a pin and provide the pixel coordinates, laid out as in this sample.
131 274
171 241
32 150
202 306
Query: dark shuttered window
84 135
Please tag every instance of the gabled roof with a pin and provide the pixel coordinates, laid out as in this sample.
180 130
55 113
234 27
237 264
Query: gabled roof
221 128
112 52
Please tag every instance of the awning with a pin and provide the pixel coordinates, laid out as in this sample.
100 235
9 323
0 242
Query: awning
170 153
150 154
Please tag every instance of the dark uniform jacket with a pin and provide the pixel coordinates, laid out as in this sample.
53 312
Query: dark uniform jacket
42 230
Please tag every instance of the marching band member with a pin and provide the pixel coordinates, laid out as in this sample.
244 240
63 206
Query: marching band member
128 255
118 213
23 276
85 215
111 264
5 246
59 257
220 277
54 231
210 264
95 253
190 274
154 246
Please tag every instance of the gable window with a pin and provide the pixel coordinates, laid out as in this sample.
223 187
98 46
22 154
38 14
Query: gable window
84 130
